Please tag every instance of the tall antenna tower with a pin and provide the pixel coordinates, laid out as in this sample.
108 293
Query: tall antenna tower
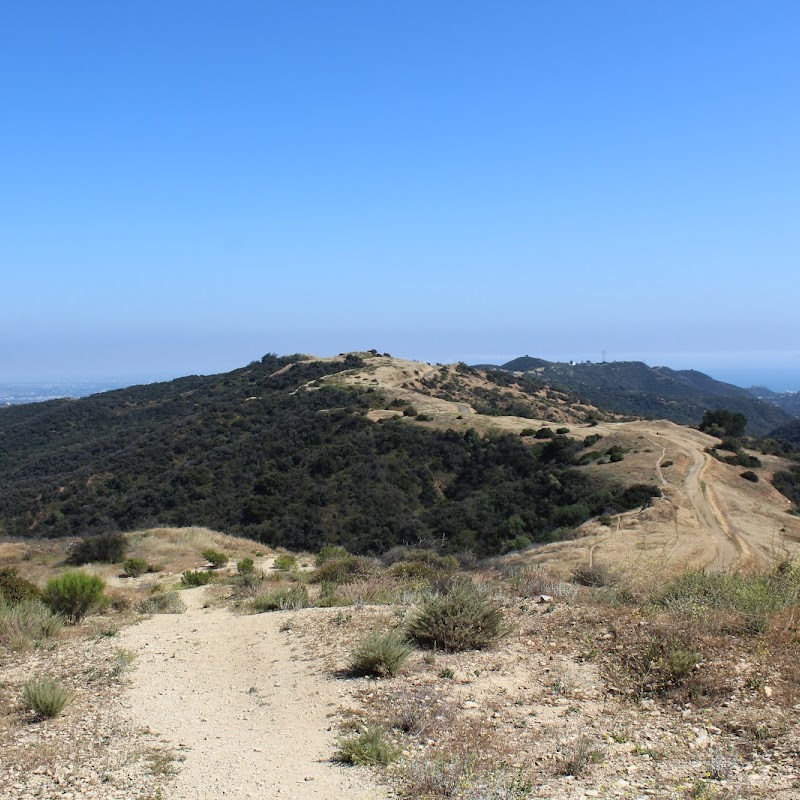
604 356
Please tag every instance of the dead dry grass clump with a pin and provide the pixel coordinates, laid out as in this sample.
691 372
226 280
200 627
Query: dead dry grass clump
533 581
27 624
419 711
681 641
289 598
375 590
162 603
468 762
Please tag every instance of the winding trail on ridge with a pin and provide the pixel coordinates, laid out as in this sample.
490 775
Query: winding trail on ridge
247 716
732 549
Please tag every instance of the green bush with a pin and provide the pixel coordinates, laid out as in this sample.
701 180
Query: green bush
370 747
420 555
285 562
750 476
330 597
74 594
246 566
14 589
544 433
381 654
528 432
459 619
755 597
413 571
134 567
27 622
562 431
46 697
192 578
594 576
217 559
162 603
722 422
330 552
285 599
615 453
342 570
107 548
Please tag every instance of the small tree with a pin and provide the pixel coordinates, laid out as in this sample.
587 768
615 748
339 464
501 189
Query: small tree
724 423
107 548
216 558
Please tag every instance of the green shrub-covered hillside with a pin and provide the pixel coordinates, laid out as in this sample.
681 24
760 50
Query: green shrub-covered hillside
255 453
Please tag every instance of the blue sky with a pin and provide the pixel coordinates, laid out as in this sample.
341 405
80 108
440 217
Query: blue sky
188 185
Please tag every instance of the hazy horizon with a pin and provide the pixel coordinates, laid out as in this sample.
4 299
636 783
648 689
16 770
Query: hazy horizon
770 374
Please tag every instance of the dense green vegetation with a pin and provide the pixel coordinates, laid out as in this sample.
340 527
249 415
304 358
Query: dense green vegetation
633 388
249 453
789 434
722 422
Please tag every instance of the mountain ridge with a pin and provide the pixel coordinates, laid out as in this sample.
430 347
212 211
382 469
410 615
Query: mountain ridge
637 389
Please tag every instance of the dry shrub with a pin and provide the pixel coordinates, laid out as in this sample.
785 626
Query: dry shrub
28 622
421 711
381 654
162 603
46 697
374 590
578 757
369 747
468 763
594 576
284 599
344 570
14 588
531 581
663 656
462 618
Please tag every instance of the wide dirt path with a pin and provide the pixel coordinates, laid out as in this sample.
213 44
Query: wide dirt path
249 716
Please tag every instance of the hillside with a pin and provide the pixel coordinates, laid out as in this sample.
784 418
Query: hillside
786 401
315 677
298 452
787 433
636 389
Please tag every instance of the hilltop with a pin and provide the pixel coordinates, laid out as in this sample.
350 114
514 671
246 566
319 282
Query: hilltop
361 450
371 451
636 389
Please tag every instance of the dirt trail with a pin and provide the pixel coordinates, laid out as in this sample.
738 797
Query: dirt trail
732 549
235 699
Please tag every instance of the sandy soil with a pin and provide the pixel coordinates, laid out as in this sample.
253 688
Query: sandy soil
709 515
245 714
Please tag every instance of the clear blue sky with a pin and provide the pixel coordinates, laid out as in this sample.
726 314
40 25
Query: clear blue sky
185 186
